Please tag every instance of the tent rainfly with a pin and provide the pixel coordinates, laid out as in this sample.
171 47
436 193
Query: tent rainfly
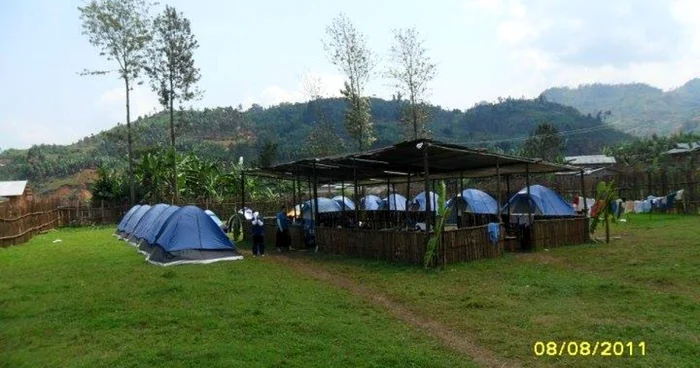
542 201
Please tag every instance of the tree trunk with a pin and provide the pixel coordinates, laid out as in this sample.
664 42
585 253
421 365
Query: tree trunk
172 145
607 227
132 185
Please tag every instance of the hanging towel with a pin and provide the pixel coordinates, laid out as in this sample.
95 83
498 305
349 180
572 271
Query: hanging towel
494 232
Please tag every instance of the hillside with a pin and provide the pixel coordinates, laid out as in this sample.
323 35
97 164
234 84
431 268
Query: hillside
637 108
224 134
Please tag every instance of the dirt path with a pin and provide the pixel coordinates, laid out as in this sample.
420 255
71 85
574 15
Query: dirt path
462 344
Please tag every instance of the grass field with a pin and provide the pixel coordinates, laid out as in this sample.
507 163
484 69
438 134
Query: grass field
92 301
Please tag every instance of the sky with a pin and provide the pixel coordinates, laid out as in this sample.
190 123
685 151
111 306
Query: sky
259 52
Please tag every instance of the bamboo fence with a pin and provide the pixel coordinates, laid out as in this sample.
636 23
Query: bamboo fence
552 233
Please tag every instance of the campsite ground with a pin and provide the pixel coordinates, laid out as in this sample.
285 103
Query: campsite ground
92 301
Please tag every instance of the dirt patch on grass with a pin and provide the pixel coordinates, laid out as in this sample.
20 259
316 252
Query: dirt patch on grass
462 344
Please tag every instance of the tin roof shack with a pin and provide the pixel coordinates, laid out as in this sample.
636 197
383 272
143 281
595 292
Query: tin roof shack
15 193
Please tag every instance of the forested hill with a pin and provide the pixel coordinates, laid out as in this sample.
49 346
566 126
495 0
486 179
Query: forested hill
298 129
637 108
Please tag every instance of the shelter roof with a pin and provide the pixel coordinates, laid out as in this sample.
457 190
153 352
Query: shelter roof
407 158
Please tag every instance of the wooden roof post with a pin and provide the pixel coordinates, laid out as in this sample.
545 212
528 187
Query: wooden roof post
294 197
529 199
315 206
357 195
426 182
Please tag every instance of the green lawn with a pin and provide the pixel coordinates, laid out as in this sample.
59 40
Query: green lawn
642 287
92 301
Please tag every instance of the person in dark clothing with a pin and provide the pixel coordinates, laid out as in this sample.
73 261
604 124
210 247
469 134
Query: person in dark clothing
258 236
284 240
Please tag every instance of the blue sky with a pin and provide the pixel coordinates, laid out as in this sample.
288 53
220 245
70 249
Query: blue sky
258 51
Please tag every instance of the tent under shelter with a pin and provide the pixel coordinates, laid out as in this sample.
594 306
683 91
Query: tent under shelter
391 235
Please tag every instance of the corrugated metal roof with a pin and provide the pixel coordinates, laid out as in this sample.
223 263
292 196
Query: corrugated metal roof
590 159
684 148
12 188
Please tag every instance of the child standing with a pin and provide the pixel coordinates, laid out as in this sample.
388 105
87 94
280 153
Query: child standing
258 236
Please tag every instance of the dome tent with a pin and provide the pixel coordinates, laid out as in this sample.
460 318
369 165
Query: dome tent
125 220
150 234
370 203
190 236
324 205
471 201
420 200
134 220
214 217
474 201
394 202
349 204
145 222
542 201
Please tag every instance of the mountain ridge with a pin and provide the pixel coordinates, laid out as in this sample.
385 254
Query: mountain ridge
637 108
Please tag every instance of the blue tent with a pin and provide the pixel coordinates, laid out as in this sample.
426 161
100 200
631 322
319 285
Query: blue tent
134 220
153 229
371 203
420 200
474 201
543 201
214 217
146 220
324 205
394 202
190 236
125 219
471 201
349 205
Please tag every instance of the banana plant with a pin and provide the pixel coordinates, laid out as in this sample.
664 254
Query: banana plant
606 194
443 212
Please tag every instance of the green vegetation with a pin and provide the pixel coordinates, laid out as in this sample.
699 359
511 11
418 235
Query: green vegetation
92 301
637 108
224 134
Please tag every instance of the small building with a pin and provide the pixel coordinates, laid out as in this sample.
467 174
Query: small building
15 193
591 161
683 151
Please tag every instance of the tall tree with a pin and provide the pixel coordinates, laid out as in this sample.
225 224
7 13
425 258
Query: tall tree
322 139
172 71
545 143
411 71
121 30
347 50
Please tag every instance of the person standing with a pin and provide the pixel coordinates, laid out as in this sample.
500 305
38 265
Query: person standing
258 236
283 239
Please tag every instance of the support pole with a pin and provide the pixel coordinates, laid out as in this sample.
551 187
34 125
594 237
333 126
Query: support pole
294 198
529 199
342 196
498 182
357 196
310 191
315 206
426 183
508 190
585 205
461 183
243 190
388 193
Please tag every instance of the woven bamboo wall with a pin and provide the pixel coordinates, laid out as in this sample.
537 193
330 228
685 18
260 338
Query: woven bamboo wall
470 244
559 232
18 225
390 246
